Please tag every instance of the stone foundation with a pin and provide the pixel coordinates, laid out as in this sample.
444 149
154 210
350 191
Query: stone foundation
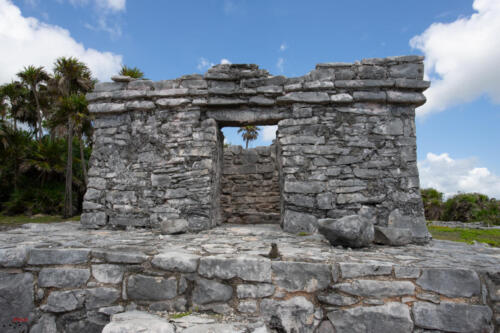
250 185
346 139
61 278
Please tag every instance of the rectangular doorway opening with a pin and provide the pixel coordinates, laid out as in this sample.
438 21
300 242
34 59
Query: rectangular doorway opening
250 175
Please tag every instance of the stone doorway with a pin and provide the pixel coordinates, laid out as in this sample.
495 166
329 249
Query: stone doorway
249 184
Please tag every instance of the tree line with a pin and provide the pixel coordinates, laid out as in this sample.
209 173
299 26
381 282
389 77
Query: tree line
463 207
46 138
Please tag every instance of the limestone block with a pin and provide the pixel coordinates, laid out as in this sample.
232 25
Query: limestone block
377 289
305 97
392 236
13 257
295 314
99 297
176 261
63 301
391 317
107 273
401 97
301 276
63 277
450 282
142 287
452 317
295 222
138 321
368 96
351 231
341 98
208 291
46 256
336 299
17 297
356 270
245 267
255 290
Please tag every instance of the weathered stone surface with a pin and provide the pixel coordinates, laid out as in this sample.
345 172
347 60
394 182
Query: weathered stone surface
16 298
392 236
355 270
373 288
295 314
391 317
248 268
352 231
63 277
107 273
405 97
13 257
452 317
450 282
341 98
306 97
176 261
174 226
301 276
138 321
46 324
125 257
337 299
43 256
142 287
63 301
248 306
295 222
99 297
255 290
366 96
208 291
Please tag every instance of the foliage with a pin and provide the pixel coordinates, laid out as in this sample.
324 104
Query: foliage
34 163
464 207
489 236
249 133
133 72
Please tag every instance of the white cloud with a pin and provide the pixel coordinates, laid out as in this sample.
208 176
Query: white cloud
283 47
204 63
450 175
269 132
280 64
112 5
462 58
27 41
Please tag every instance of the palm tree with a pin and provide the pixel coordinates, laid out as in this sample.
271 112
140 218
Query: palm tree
16 102
72 79
249 133
133 72
33 77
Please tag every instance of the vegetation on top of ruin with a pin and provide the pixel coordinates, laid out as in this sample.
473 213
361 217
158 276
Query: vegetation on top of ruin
132 72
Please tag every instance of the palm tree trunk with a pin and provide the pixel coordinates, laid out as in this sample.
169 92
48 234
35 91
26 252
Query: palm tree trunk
82 159
246 146
68 200
39 116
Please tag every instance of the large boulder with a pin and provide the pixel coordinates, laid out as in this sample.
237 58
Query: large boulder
350 231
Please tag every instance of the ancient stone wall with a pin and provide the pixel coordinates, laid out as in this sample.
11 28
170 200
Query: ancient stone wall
443 287
250 186
346 140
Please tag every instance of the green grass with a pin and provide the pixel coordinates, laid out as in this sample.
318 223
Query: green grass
303 233
22 219
491 236
180 315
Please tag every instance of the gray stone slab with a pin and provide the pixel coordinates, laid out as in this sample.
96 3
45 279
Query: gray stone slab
176 261
391 317
450 282
99 297
452 317
44 256
248 268
106 273
16 298
208 291
301 276
255 290
151 288
375 288
13 257
63 301
63 277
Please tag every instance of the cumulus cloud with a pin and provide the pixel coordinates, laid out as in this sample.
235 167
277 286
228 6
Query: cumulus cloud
204 63
451 176
462 58
269 132
27 41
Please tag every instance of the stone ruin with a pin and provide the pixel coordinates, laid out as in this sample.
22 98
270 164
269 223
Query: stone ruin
343 162
345 154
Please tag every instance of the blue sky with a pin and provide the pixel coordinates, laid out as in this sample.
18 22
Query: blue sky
458 130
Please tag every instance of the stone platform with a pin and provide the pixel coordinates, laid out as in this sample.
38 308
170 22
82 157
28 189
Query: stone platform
60 278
